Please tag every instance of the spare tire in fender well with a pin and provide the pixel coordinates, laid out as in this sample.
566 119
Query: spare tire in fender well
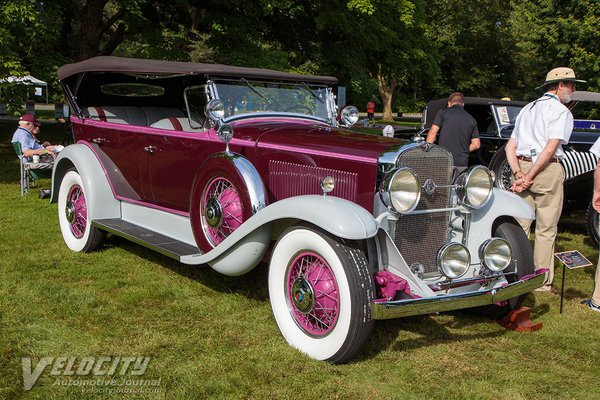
245 186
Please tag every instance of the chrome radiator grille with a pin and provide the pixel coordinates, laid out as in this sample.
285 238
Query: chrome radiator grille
418 237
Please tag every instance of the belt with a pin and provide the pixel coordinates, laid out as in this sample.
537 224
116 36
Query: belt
528 159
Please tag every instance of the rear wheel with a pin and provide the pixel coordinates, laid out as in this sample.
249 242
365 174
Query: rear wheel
320 291
522 265
73 218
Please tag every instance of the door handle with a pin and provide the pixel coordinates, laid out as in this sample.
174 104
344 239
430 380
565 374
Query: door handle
99 140
150 149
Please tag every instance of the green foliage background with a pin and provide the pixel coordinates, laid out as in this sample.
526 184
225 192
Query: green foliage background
402 52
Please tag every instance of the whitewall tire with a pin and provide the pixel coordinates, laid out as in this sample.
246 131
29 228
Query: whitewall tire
76 228
320 291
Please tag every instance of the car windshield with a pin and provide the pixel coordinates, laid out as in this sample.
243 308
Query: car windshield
248 97
507 114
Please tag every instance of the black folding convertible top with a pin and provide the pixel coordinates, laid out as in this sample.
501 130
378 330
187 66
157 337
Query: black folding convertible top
159 67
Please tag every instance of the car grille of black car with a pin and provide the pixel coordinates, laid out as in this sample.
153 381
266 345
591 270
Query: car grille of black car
419 236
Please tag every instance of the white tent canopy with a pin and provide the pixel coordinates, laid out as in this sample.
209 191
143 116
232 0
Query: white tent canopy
28 80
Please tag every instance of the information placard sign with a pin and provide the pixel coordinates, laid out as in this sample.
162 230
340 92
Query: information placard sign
573 259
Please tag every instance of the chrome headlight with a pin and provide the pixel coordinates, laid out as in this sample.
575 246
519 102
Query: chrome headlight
349 115
474 187
215 110
401 190
453 260
495 254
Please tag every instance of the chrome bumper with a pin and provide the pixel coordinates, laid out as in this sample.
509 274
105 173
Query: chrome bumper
427 305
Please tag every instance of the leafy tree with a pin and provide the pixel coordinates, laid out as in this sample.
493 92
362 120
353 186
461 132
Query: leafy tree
18 24
393 45
551 33
475 46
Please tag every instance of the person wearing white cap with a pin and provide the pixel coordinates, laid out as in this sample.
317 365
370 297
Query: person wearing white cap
533 153
25 135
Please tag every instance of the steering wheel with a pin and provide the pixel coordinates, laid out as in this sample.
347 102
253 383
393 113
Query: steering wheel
299 107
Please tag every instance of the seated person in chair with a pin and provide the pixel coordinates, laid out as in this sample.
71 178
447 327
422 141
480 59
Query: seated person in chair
25 134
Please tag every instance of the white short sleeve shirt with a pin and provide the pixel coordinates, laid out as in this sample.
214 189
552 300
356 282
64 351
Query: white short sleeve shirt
539 121
595 149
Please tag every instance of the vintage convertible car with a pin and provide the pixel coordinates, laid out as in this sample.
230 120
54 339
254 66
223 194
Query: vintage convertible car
227 166
496 118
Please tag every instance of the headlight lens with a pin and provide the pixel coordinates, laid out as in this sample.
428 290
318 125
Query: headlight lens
401 190
474 187
453 260
215 110
496 254
349 115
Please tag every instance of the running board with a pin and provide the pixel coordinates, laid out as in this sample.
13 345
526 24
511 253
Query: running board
160 243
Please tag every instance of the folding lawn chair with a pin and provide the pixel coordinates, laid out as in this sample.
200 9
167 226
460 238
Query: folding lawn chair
31 171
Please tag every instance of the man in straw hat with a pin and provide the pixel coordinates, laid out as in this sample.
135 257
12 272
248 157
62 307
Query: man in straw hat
533 153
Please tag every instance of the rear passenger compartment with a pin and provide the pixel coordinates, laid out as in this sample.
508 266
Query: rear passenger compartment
155 117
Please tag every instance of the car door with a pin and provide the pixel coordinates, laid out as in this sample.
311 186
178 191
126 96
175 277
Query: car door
168 164
116 146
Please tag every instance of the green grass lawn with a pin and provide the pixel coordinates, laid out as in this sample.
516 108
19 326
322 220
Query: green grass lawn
212 336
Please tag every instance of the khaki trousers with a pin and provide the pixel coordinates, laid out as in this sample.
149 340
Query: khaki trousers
545 196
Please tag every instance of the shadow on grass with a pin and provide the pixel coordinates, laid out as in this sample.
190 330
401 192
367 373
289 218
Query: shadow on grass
432 331
429 331
252 284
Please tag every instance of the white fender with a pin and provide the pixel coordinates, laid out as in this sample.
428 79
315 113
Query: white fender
101 202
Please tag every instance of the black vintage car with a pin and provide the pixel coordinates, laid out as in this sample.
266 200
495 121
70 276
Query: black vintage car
495 119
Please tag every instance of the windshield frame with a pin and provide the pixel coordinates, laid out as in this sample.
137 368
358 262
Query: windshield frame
213 84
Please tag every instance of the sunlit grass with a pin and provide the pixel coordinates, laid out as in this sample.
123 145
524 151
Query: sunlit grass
212 336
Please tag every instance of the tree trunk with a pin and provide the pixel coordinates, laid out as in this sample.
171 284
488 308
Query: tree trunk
387 87
93 28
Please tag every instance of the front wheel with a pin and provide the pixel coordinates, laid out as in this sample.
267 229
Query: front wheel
75 225
320 291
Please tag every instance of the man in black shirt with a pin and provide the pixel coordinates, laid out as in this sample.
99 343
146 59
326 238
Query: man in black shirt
458 131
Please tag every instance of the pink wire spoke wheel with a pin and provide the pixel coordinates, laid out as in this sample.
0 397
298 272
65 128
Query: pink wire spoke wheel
76 211
74 215
313 294
222 211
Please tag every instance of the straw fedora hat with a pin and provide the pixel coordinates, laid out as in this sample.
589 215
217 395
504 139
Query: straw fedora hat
561 74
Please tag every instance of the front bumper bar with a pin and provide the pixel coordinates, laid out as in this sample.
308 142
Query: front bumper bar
428 305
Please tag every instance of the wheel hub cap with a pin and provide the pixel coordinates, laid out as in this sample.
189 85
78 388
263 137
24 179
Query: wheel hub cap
214 213
70 211
303 295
